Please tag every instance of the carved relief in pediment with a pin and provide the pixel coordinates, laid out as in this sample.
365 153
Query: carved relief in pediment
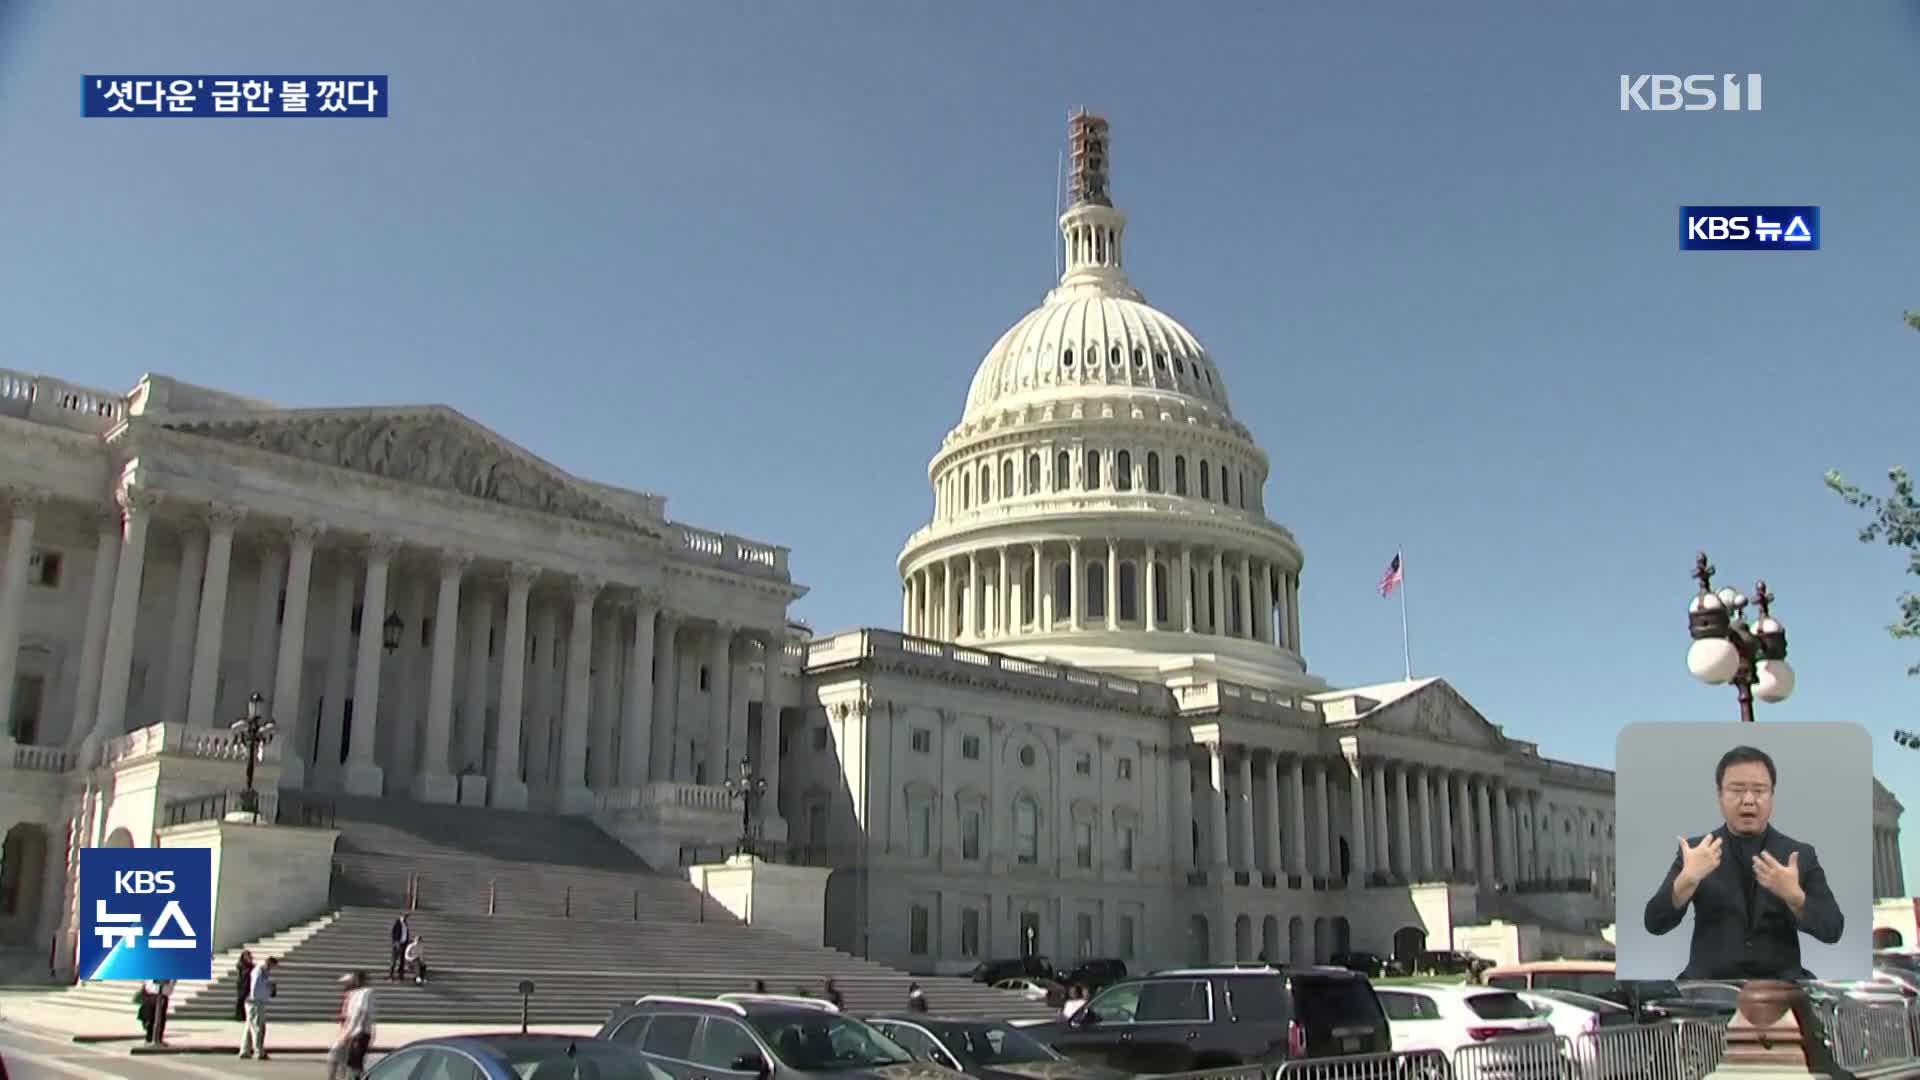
434 451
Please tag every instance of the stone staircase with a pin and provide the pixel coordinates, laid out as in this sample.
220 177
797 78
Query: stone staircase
502 896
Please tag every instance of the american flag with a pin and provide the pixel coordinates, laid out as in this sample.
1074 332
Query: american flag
1391 579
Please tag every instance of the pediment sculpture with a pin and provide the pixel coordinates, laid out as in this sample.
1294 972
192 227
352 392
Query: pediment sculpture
434 451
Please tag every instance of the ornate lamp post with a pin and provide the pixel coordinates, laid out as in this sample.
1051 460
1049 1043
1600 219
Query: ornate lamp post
747 788
1727 649
254 732
1907 739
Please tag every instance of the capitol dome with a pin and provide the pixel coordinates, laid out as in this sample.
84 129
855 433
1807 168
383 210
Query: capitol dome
1098 504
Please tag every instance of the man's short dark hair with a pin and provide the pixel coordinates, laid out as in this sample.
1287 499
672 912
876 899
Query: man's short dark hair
1744 755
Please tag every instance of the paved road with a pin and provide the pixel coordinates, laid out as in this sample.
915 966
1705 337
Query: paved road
38 1057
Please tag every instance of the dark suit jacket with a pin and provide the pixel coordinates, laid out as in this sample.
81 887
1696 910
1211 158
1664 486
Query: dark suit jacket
1731 942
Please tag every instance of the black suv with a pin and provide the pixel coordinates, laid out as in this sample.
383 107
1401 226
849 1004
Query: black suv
1094 974
1023 967
764 1036
1213 1018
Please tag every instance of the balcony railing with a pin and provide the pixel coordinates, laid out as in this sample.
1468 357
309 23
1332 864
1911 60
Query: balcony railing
299 811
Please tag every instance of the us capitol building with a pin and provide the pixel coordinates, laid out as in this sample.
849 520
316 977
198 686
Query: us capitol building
1095 734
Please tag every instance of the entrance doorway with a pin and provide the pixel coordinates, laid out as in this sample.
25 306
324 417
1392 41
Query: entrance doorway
23 867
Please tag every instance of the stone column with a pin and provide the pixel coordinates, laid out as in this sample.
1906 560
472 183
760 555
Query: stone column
1243 803
435 783
1263 604
13 591
1383 853
1483 828
740 697
1249 613
1449 832
1219 625
116 665
906 605
719 654
1293 613
265 634
1403 840
1180 780
363 775
1186 587
181 637
106 553
1539 866
636 720
1042 589
505 789
772 694
1216 794
575 797
212 624
537 718
970 604
1113 584
666 697
471 758
1004 622
329 739
1076 585
1150 575
603 722
1297 835
1357 834
1276 850
290 665
1323 832
1427 866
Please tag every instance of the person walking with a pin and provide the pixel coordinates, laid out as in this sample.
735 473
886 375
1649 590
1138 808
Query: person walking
260 990
347 1060
399 934
916 998
833 995
416 962
162 996
244 985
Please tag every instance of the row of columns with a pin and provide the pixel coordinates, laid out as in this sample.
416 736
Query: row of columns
1008 591
1410 821
1064 468
1889 877
633 617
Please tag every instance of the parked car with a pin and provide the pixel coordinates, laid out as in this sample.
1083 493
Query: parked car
1447 1018
986 1048
513 1056
1448 962
1366 963
1206 1018
1032 989
763 1036
1095 974
993 971
1649 998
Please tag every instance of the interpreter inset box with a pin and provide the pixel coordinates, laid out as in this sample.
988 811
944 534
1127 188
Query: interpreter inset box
1744 851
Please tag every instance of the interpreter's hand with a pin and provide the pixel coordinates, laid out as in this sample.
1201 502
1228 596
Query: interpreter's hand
1782 879
1698 860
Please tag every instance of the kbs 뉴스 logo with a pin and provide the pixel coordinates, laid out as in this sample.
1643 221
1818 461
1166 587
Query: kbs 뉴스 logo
146 913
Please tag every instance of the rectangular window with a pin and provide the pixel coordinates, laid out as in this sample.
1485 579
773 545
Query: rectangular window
1124 768
969 932
921 740
970 835
970 747
1124 841
1126 937
920 820
917 931
1083 764
43 569
1083 932
1083 845
1026 831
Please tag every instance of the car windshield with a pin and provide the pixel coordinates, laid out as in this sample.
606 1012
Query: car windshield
1500 1005
1906 962
991 1044
1584 982
1582 1001
590 1057
819 1041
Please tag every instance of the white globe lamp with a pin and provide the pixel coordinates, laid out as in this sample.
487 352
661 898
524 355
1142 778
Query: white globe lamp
1713 661
1773 681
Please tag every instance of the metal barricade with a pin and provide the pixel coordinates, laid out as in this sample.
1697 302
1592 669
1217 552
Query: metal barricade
1237 1072
1531 1057
1662 1050
1702 1045
1405 1065
1866 1034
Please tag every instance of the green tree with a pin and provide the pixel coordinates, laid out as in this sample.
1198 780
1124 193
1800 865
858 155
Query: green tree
1894 520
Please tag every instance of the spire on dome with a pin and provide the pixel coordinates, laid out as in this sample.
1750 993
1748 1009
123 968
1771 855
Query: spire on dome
1091 230
1087 147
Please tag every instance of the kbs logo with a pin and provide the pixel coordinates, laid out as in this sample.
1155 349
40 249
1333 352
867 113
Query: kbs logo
146 913
1689 93
1749 228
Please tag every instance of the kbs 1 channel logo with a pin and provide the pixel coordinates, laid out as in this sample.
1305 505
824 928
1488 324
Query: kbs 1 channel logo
1749 228
146 913
1690 93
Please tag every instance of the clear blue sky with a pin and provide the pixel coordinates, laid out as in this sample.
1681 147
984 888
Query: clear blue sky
748 255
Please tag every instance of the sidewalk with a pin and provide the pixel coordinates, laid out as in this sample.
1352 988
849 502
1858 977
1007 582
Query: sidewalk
45 1015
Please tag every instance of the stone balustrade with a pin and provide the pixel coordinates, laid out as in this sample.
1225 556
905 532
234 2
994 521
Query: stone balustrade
1248 701
51 759
47 400
179 740
1054 504
858 645
734 552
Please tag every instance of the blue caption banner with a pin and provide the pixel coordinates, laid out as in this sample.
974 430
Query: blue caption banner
1749 228
146 913
326 96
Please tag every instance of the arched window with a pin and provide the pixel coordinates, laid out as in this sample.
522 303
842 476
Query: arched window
966 490
1026 830
1139 357
1226 495
1093 470
1123 471
1129 592
1062 470
1113 356
1066 359
1153 470
1096 606
986 483
1159 594
1206 487
1006 479
1062 592
1033 474
1179 474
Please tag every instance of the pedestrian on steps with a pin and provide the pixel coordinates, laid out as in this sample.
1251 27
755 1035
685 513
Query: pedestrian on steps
159 998
833 995
916 998
260 990
416 962
347 1060
399 935
244 969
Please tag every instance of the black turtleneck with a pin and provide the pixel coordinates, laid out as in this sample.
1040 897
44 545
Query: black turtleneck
1743 850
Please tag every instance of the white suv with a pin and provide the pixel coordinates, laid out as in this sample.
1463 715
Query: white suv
1450 1018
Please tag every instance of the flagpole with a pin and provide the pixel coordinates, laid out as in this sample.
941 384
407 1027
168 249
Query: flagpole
1406 647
